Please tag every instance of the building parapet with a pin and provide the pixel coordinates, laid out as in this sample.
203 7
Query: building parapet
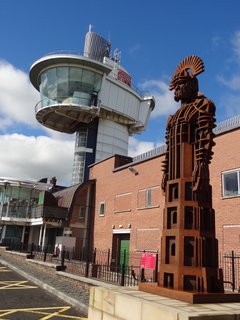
151 153
224 126
227 125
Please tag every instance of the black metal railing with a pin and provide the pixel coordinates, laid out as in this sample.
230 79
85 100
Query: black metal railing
98 264
30 212
230 264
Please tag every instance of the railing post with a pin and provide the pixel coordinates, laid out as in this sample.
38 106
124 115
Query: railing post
143 275
32 248
108 258
123 269
63 258
233 270
31 255
45 254
156 270
94 255
62 267
87 267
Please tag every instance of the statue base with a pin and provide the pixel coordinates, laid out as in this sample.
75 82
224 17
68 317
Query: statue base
190 297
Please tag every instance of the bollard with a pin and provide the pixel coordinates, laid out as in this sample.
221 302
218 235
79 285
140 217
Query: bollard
143 279
31 255
45 254
62 267
63 258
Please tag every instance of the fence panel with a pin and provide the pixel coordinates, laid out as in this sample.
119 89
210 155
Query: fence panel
230 263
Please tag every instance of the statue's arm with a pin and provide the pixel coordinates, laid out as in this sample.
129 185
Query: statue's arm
203 143
165 163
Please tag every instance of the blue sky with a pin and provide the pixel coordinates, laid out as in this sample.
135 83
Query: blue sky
153 36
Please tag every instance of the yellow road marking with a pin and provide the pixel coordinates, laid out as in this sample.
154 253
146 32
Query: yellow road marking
46 312
15 285
4 269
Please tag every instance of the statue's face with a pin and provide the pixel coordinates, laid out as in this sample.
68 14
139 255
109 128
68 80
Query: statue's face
184 91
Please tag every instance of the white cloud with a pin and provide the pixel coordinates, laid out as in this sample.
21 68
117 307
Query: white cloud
134 49
165 103
28 157
230 100
230 103
236 44
233 83
36 157
137 147
17 97
216 41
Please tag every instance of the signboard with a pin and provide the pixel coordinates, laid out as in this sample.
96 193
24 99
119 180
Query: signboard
124 77
148 260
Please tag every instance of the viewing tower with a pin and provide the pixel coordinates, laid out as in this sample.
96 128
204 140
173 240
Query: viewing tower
92 95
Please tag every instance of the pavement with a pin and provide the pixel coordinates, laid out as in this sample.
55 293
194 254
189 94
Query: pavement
71 288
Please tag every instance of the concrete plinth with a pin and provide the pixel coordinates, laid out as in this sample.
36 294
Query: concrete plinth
131 304
191 297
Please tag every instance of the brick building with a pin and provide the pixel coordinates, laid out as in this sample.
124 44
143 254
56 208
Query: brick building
129 200
120 207
225 180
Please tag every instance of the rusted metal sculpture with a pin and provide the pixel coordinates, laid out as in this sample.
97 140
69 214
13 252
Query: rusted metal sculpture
189 249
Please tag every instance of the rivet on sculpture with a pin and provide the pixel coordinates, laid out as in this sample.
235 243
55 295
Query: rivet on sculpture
189 249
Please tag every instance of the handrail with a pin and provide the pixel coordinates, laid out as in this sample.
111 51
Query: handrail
66 100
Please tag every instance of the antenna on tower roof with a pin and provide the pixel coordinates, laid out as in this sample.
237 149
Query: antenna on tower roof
90 27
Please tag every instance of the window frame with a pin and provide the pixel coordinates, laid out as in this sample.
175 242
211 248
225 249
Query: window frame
224 173
102 204
82 209
148 199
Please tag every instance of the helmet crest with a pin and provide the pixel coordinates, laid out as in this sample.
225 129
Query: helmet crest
193 63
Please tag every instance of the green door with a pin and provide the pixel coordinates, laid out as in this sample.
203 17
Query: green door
124 247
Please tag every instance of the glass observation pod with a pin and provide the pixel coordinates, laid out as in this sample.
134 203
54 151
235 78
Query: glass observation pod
69 87
93 96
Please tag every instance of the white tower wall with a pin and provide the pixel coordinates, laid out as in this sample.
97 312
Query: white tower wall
112 138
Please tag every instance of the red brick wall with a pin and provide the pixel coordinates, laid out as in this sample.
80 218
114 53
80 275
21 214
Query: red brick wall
125 192
226 157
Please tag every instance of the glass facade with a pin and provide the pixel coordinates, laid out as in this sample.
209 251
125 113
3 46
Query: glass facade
17 201
69 85
79 156
78 168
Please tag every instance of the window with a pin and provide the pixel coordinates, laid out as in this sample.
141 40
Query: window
101 210
69 85
148 197
81 215
81 138
231 183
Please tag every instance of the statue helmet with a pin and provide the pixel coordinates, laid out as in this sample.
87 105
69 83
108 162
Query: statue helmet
188 69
